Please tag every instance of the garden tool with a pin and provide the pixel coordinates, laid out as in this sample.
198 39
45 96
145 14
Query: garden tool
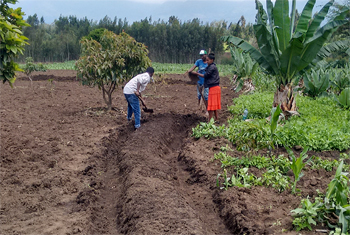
147 110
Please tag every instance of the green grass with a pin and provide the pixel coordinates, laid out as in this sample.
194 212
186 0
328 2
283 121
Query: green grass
322 125
160 68
68 65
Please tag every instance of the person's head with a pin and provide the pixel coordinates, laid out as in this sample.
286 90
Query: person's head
203 53
211 58
150 71
204 58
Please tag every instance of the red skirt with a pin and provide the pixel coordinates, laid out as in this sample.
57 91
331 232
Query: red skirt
214 98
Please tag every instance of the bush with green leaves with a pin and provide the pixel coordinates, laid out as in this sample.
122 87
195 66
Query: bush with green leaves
110 62
30 67
12 41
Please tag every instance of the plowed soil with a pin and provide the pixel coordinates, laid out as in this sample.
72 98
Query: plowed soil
70 167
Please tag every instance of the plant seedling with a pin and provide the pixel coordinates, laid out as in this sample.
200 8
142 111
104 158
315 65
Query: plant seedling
297 165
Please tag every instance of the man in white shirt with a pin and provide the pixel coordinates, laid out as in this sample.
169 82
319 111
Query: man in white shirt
132 92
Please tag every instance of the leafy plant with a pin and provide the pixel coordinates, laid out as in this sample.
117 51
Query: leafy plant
12 41
245 67
321 125
110 62
318 163
275 114
316 83
31 67
335 205
344 98
341 79
297 165
273 177
286 47
306 215
242 179
337 197
208 130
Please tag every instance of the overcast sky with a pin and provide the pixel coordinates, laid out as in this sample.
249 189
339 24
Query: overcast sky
136 10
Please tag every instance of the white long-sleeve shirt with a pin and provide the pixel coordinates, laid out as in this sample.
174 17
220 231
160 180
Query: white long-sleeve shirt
142 79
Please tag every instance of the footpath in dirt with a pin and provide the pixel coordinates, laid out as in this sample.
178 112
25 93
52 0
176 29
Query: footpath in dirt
70 167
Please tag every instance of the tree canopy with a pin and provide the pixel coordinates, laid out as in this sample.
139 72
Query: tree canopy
12 41
110 61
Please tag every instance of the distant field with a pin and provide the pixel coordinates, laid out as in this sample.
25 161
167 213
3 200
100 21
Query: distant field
160 68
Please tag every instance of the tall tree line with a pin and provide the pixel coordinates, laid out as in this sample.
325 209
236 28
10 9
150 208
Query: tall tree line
171 41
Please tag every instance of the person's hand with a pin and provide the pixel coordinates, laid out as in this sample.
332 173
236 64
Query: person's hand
137 93
195 73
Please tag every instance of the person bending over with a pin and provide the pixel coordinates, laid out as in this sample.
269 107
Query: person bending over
132 92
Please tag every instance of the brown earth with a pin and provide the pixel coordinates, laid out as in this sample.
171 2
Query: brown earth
70 167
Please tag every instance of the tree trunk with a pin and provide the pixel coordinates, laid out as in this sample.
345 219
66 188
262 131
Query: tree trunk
107 94
285 99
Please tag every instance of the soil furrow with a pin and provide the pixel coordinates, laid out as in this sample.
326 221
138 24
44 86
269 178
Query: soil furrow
146 189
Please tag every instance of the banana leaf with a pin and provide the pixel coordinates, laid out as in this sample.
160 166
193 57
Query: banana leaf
318 18
327 50
282 23
314 44
305 17
265 39
344 98
254 53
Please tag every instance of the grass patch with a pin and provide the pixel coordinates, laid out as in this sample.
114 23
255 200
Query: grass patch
322 125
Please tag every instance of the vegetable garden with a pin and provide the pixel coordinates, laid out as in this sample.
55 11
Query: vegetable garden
71 164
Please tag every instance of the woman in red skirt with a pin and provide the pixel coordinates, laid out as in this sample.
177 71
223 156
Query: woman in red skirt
212 80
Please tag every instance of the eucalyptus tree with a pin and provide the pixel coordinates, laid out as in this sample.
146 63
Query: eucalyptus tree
110 61
286 50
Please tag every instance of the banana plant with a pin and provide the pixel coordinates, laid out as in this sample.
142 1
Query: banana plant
316 83
341 80
246 67
344 98
286 50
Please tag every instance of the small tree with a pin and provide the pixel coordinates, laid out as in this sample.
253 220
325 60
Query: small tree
110 62
31 67
12 41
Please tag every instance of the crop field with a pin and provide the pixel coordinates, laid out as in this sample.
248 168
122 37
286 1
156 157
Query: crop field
71 167
160 68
